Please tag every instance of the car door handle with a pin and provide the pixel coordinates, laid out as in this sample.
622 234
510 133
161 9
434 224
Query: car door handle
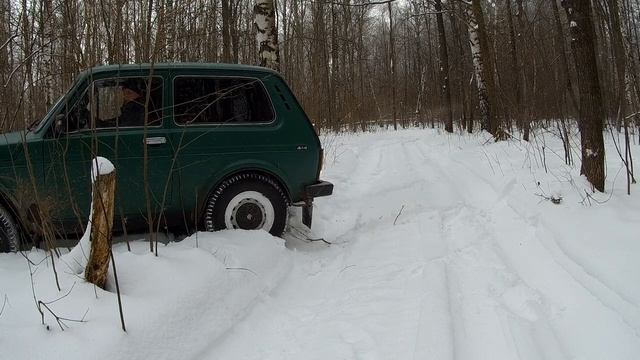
159 140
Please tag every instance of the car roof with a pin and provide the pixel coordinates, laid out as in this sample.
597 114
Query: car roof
181 66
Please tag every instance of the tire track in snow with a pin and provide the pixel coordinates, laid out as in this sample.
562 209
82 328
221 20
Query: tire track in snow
377 268
598 288
460 283
471 322
380 178
628 312
574 298
478 280
435 336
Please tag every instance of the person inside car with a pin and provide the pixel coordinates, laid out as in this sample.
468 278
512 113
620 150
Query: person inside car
132 109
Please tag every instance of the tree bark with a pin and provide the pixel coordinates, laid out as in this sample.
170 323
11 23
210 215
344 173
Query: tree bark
267 34
482 69
591 112
392 63
563 55
515 70
226 31
444 68
103 204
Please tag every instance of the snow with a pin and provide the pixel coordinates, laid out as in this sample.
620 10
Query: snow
442 246
101 166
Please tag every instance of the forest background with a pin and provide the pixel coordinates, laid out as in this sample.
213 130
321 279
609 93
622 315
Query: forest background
351 63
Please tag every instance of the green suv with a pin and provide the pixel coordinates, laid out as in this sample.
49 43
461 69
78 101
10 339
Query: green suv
195 146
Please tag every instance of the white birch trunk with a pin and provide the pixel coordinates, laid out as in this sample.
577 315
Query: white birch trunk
267 34
47 54
478 67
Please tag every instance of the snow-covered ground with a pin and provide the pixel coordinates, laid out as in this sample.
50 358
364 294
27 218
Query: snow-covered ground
442 247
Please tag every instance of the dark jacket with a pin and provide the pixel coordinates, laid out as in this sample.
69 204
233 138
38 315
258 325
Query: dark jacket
132 114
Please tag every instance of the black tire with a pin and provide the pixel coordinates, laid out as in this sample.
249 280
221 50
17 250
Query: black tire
247 201
9 236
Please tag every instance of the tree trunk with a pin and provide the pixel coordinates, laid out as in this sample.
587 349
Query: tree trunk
591 112
515 70
563 55
102 204
226 32
444 68
482 68
392 63
267 34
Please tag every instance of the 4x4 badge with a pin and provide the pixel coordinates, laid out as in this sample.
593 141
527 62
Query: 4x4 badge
302 147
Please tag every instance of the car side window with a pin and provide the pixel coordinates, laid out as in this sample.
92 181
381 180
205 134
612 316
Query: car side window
202 100
119 102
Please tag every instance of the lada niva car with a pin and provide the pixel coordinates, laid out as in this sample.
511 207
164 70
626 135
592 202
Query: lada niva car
195 146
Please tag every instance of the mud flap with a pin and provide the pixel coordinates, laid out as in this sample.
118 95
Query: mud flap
307 213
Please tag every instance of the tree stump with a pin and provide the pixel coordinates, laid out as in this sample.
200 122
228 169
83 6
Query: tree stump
102 208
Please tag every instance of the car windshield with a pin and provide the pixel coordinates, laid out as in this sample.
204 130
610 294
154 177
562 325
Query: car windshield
37 124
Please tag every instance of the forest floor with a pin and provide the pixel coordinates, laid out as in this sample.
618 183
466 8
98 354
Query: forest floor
442 247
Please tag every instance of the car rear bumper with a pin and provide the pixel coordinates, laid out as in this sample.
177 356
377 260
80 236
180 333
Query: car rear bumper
320 188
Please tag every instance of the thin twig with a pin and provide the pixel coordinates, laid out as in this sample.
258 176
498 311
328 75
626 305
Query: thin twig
306 238
240 268
367 3
115 275
632 115
397 216
59 320
61 297
6 298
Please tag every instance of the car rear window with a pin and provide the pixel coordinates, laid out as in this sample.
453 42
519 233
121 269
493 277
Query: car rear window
203 100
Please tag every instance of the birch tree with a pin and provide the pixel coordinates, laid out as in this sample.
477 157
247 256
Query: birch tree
267 34
482 67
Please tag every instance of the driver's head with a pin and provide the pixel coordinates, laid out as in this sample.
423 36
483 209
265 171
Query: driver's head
130 90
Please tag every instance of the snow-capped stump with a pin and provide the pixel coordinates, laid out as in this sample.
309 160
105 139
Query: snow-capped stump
103 176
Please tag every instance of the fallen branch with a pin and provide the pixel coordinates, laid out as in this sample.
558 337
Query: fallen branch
554 199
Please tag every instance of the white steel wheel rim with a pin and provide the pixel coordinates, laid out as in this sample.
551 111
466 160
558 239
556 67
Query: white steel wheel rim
251 198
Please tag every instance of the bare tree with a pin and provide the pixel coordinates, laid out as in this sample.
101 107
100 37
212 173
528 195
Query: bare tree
591 112
444 67
347 65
